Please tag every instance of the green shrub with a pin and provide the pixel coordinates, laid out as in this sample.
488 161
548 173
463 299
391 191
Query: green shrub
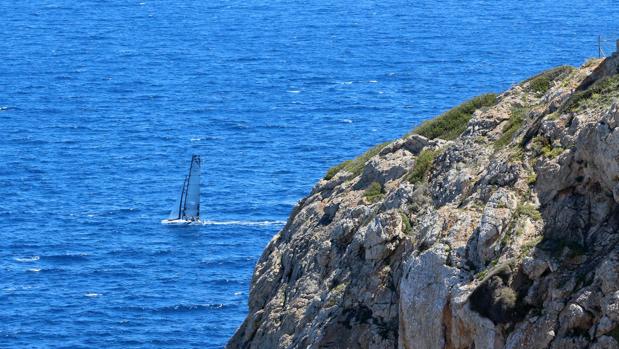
495 299
538 143
482 274
529 245
374 192
513 125
336 294
422 165
551 152
601 93
452 123
525 209
406 222
355 166
540 83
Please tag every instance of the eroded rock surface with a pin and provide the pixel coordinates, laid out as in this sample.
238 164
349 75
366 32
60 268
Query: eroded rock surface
508 240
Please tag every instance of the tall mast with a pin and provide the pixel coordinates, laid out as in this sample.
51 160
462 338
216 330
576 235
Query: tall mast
199 162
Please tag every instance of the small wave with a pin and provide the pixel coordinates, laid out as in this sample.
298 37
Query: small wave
69 257
346 121
246 223
162 252
294 91
92 294
184 308
373 81
45 270
27 259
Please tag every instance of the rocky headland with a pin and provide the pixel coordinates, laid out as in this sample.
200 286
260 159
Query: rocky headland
494 225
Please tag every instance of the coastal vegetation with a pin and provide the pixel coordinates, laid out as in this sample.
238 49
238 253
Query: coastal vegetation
447 126
541 145
541 83
599 95
374 192
406 222
513 124
452 123
355 166
529 210
422 165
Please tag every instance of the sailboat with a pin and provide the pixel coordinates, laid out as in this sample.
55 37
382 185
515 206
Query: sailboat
187 207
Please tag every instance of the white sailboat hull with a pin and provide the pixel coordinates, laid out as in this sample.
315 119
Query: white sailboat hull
179 221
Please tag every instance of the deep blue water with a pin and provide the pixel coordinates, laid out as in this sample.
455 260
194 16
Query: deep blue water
102 104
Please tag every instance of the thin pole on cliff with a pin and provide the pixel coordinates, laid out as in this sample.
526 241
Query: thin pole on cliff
601 52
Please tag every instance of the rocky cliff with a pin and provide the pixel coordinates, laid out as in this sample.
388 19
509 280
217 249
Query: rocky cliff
494 225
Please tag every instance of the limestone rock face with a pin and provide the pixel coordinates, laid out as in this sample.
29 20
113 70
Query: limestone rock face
508 239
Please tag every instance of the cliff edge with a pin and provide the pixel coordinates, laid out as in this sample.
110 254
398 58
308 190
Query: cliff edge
494 225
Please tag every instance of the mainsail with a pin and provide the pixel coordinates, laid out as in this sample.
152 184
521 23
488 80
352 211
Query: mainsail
175 213
187 206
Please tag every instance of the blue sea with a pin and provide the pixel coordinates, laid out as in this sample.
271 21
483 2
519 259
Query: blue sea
102 104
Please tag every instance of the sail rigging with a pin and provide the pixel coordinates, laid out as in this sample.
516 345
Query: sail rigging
187 207
192 194
175 213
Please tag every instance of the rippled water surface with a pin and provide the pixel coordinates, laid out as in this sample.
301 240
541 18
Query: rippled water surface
102 104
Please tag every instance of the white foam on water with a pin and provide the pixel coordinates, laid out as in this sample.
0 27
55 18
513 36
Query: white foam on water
347 121
246 223
92 294
294 91
34 270
27 259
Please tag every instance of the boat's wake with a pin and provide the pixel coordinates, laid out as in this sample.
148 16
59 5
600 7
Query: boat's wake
246 223
231 222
